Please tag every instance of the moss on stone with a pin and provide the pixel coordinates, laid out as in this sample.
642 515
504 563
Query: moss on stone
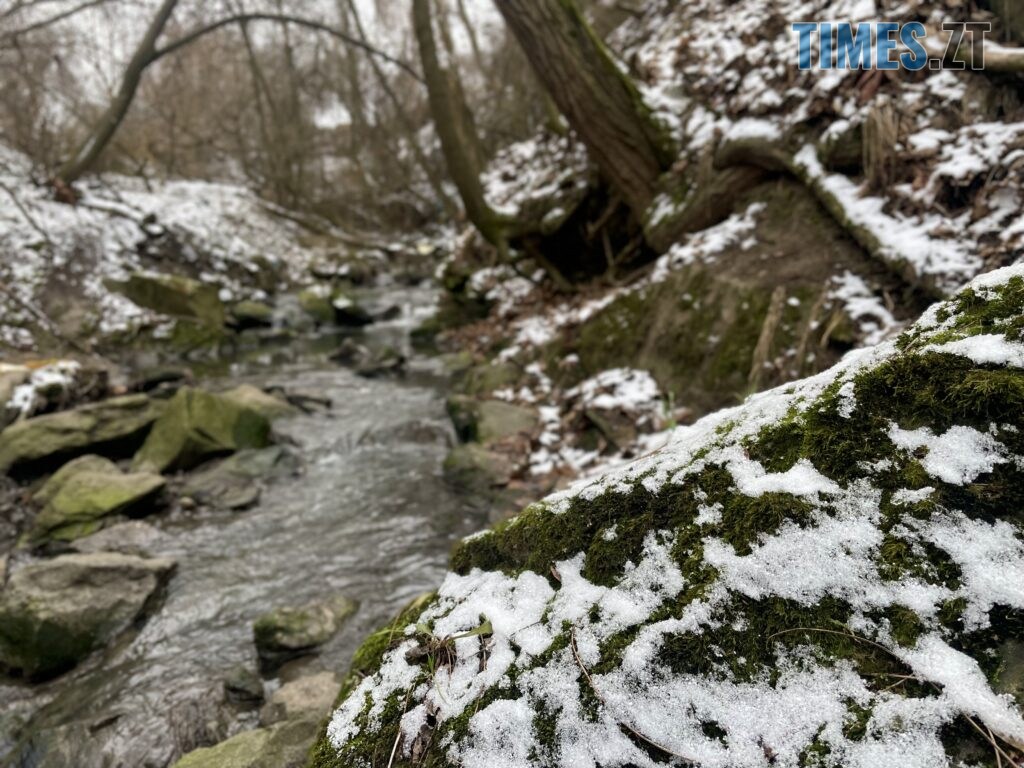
197 426
843 431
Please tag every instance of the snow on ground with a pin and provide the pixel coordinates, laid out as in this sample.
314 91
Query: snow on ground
736 78
226 236
541 700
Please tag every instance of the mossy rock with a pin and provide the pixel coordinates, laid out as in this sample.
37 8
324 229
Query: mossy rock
707 332
489 421
826 575
85 494
251 314
286 633
473 469
11 377
237 481
173 295
111 427
310 696
316 302
328 305
284 745
265 404
55 612
197 426
490 377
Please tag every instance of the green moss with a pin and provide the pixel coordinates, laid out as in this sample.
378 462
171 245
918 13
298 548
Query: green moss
778 446
855 726
905 625
367 747
997 310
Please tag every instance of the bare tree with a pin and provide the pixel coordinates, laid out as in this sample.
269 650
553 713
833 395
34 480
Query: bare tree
406 122
459 141
85 156
147 53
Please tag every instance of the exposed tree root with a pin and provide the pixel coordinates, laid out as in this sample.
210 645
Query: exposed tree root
777 157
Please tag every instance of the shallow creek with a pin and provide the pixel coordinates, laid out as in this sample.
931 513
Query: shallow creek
369 517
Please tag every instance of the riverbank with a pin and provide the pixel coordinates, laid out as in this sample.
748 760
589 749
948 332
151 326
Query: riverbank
356 514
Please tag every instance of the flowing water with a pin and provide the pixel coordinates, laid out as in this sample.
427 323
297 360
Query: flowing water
369 517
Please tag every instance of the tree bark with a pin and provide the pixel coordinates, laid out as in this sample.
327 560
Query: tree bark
457 137
89 151
601 103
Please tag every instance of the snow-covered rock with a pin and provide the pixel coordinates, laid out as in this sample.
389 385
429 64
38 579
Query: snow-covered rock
828 574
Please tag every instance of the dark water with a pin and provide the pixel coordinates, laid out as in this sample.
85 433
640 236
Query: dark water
369 518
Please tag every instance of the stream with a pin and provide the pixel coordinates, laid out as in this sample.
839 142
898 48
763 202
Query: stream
369 517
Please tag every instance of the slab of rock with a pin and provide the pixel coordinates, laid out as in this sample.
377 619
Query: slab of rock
286 633
11 377
235 482
173 295
55 612
488 377
329 306
132 537
197 426
110 427
473 469
316 302
85 493
284 745
384 362
307 697
269 406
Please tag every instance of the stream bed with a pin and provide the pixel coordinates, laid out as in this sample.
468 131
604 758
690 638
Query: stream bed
369 517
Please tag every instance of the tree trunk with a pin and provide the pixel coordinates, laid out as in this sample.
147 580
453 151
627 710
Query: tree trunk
432 173
601 103
458 141
89 151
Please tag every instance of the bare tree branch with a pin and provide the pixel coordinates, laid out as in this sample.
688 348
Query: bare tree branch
50 21
244 18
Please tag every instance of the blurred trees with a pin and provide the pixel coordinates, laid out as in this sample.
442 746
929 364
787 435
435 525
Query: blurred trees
307 119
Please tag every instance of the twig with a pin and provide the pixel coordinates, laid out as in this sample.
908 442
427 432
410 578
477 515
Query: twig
625 726
991 739
989 736
850 635
398 736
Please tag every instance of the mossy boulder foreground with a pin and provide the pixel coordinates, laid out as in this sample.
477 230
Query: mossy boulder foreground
55 612
85 494
112 427
831 574
197 426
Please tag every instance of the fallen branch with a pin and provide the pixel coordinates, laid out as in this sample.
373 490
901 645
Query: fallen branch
991 57
774 156
625 726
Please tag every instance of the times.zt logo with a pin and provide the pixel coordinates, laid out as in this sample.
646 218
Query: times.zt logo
890 45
